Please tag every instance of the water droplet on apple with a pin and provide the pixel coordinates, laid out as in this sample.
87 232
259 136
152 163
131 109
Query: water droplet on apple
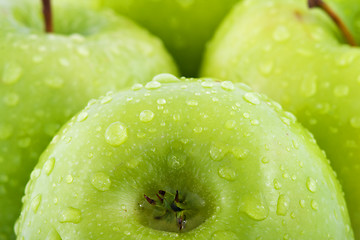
176 160
277 184
341 90
251 98
207 83
106 99
11 99
116 134
37 59
354 122
146 116
266 67
153 85
176 117
230 124
69 179
83 51
254 205
64 62
70 215
308 86
198 129
282 205
165 78
6 130
281 33
227 173
227 85
35 203
137 86
264 160
314 205
161 101
82 116
239 153
53 235
101 181
192 103
54 82
302 203
11 73
221 235
49 166
254 122
217 152
311 184
346 59
134 162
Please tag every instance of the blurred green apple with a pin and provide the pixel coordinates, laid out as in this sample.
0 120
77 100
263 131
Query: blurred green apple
184 25
192 159
47 78
299 57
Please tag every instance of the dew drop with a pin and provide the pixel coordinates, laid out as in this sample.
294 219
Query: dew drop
134 162
207 83
354 122
6 131
53 235
12 73
239 153
165 78
254 122
302 203
11 99
49 166
82 116
230 124
281 34
251 98
227 85
64 62
277 184
254 205
308 86
198 129
176 117
282 205
69 179
116 134
35 203
314 205
153 85
221 235
106 99
265 68
192 103
83 51
341 90
146 116
264 160
101 181
161 101
54 82
227 173
217 152
137 86
176 160
70 215
311 184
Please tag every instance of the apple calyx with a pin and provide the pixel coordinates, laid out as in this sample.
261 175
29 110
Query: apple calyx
169 205
327 9
47 13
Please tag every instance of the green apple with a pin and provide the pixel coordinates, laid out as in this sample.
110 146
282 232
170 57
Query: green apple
47 78
191 159
184 25
299 57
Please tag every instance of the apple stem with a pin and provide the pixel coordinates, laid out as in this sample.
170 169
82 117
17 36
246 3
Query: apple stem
47 15
345 31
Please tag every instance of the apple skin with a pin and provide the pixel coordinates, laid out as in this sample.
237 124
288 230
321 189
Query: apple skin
298 57
184 25
259 173
46 79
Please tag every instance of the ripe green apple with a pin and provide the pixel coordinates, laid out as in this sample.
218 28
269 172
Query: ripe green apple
47 78
184 25
191 159
298 57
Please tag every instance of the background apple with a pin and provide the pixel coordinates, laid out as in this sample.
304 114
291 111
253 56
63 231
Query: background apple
242 167
299 57
46 78
184 25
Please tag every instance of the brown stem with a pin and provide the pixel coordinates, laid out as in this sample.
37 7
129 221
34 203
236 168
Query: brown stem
47 15
345 31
